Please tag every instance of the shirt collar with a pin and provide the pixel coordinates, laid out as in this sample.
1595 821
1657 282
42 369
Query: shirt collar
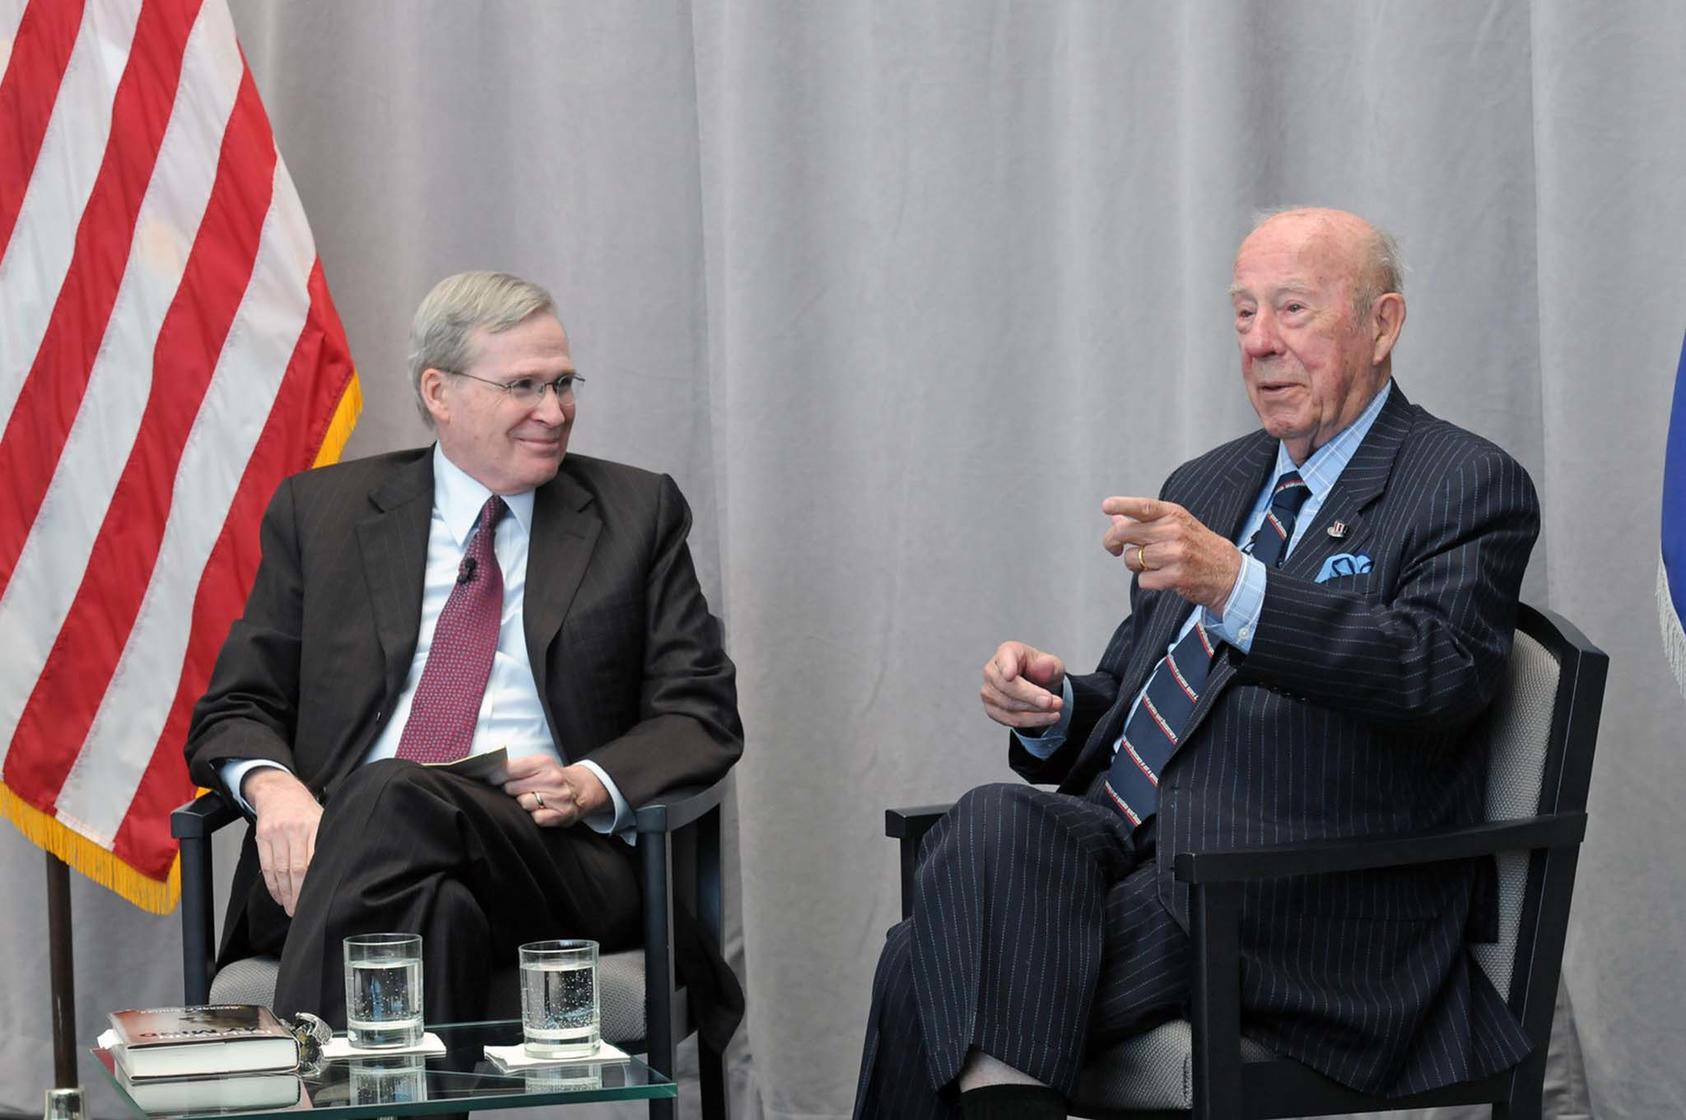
1322 469
458 497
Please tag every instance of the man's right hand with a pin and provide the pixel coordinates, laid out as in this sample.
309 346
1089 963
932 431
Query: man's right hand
288 815
1023 687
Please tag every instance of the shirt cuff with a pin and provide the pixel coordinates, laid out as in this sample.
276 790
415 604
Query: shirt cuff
234 772
1241 612
616 818
1045 744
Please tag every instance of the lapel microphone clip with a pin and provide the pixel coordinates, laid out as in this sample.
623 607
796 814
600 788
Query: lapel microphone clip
465 570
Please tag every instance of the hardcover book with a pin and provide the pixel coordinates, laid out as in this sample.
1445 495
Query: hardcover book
213 1094
192 1041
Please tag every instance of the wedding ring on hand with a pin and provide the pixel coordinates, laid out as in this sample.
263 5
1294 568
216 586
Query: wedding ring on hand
1141 558
538 799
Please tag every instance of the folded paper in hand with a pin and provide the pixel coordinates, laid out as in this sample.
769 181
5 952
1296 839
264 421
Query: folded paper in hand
491 767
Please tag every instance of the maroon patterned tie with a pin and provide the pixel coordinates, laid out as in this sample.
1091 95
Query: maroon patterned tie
446 706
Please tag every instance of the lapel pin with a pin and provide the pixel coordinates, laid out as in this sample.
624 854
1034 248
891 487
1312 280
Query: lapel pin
1337 530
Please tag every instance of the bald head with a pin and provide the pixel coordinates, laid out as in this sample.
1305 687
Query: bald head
1371 253
1317 312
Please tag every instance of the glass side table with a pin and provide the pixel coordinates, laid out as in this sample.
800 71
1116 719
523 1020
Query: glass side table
462 1079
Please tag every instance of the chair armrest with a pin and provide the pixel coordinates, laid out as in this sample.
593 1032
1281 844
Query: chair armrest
697 809
908 826
1315 857
1218 880
912 821
676 808
202 816
192 824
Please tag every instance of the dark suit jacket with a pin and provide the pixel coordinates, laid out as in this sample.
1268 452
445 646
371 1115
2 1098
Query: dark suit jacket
628 660
1347 717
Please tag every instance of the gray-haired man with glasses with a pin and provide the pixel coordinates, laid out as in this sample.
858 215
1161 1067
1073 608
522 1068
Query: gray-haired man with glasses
416 609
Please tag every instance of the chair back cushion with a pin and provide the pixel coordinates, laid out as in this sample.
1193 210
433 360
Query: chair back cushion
251 980
1518 730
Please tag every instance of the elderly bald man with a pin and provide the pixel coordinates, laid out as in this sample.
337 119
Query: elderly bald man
1319 611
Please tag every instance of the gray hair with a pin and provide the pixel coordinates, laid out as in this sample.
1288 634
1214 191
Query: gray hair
1384 271
459 305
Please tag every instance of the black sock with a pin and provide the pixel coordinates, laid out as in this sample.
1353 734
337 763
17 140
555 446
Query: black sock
1013 1102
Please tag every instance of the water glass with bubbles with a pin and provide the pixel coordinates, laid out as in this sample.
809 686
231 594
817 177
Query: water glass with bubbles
559 1009
383 989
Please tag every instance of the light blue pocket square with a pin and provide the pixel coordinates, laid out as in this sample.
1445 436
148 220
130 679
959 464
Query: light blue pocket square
1343 564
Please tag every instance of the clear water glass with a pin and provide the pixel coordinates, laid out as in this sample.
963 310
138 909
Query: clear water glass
559 1007
383 989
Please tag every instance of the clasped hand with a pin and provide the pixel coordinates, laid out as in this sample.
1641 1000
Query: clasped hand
1023 687
554 794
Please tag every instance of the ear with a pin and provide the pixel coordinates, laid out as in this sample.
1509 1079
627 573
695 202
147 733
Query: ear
433 395
1388 316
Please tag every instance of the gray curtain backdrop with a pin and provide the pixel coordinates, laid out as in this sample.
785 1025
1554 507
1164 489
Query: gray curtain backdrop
900 291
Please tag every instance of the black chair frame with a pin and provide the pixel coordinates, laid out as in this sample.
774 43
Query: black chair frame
679 857
1227 1087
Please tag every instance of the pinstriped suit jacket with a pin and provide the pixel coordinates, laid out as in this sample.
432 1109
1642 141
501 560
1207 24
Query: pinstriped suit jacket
627 658
1347 717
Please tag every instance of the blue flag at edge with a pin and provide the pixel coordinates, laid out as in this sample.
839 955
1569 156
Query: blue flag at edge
1671 574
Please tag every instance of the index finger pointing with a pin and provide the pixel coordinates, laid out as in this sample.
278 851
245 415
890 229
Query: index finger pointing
1142 509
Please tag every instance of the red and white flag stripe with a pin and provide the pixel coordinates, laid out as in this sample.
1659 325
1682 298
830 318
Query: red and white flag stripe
169 353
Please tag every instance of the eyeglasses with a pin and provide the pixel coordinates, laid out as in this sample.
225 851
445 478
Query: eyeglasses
529 390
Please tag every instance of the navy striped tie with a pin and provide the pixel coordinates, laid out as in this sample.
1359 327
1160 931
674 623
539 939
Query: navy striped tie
1155 728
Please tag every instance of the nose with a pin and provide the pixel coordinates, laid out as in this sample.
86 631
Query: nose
1261 339
550 408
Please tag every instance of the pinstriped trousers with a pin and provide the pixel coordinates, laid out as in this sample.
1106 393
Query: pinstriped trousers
1036 936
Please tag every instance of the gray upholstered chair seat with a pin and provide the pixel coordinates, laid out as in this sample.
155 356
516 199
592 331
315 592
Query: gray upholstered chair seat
1150 1071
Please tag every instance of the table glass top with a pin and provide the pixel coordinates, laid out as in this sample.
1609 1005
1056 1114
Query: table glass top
462 1079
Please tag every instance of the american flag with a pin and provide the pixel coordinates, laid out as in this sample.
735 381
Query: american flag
168 353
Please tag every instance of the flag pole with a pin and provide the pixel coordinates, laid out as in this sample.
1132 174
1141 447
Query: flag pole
63 975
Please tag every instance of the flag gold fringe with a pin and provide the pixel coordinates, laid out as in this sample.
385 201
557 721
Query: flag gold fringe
339 428
97 863
1674 638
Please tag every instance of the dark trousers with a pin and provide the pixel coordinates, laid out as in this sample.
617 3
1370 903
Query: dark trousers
404 848
1036 937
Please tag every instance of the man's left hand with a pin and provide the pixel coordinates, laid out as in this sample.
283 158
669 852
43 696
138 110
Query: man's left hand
554 794
1172 550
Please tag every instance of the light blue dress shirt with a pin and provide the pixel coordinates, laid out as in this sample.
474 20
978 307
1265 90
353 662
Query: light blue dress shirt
511 715
1320 471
